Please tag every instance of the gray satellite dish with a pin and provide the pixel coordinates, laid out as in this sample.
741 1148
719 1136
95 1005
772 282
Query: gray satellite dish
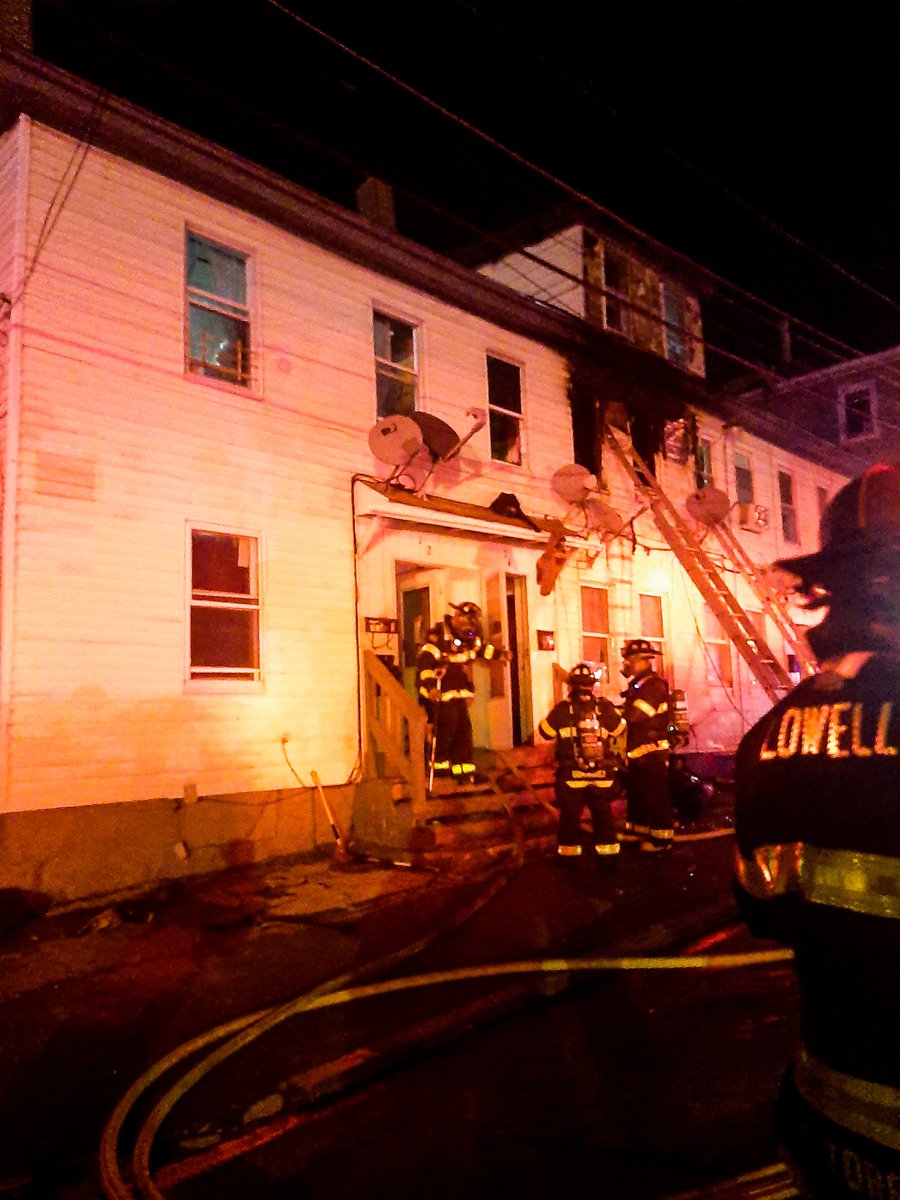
708 505
395 440
573 483
603 517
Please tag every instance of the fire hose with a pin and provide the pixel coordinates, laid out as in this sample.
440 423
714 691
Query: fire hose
240 1033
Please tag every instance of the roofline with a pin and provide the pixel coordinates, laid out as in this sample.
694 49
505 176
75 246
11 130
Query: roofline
69 104
56 98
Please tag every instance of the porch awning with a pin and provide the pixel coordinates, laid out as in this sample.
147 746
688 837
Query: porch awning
398 504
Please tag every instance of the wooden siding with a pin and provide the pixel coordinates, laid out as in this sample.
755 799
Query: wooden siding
120 452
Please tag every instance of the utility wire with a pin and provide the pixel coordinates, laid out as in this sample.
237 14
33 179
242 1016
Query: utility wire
549 176
717 184
710 348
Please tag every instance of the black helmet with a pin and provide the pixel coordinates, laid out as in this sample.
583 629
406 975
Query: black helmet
638 646
582 678
468 608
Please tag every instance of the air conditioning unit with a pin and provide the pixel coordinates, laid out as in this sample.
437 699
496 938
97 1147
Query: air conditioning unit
752 517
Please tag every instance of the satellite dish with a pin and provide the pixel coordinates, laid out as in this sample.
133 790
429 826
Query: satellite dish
573 483
395 440
708 505
439 438
603 517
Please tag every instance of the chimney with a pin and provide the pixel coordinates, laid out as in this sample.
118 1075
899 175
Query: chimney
375 200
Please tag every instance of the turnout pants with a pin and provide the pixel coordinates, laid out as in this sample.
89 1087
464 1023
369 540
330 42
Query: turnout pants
572 796
650 810
833 1163
452 729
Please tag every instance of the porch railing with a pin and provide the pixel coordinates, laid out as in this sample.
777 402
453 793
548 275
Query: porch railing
395 729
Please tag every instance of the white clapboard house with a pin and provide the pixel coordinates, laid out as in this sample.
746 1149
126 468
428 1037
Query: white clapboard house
221 546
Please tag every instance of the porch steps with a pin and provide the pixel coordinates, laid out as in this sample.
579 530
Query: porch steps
507 813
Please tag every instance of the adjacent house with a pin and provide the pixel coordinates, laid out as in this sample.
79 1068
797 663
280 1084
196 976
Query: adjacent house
222 543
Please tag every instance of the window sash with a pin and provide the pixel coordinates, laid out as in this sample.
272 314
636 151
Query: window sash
224 620
217 334
595 639
788 511
396 377
504 384
743 478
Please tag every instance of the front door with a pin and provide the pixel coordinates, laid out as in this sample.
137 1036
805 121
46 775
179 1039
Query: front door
425 594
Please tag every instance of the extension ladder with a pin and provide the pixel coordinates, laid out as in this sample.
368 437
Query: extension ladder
700 568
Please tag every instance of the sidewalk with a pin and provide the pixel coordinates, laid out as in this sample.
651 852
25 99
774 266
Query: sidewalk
89 998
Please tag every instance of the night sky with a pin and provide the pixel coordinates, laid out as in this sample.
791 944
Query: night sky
757 138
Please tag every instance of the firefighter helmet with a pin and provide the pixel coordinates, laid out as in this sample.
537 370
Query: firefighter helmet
582 678
861 521
468 608
638 646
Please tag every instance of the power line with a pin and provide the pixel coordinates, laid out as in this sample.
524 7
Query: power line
733 196
550 177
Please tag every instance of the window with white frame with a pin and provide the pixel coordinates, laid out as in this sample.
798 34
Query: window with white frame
217 334
595 626
396 379
719 665
857 412
505 410
650 612
743 478
788 509
224 635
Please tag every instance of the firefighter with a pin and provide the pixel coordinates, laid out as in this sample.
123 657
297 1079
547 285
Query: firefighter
446 689
817 822
646 711
586 769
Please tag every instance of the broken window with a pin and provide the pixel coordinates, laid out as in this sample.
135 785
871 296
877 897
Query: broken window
857 412
505 410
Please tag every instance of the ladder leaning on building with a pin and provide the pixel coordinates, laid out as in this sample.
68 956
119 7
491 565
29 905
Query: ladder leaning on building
700 568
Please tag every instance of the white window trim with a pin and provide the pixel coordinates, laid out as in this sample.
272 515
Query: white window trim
220 686
391 314
253 389
843 392
511 361
779 471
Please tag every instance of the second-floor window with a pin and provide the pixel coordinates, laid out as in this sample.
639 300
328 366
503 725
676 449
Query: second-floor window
743 478
396 379
224 638
703 474
505 410
217 337
857 413
788 511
